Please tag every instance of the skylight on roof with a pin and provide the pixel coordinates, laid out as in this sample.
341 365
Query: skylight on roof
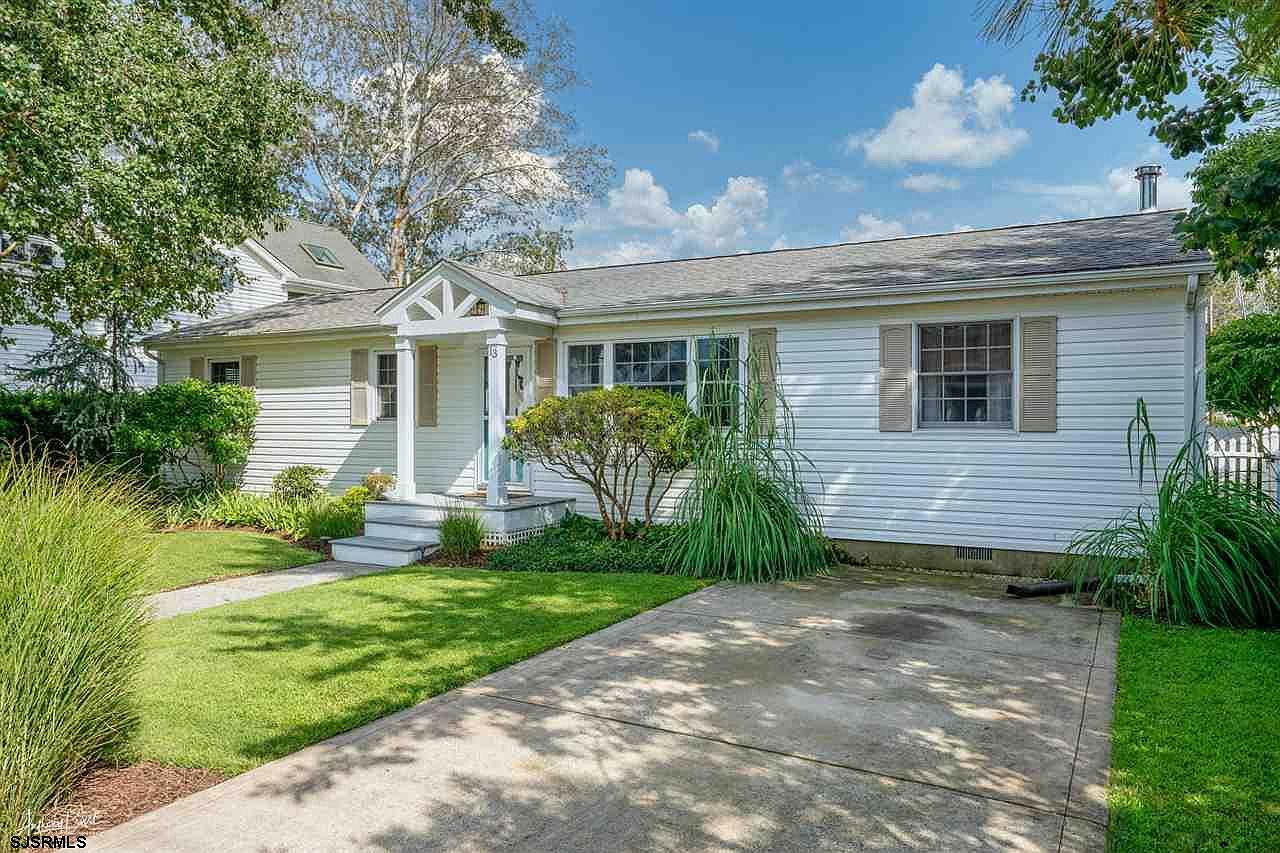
322 255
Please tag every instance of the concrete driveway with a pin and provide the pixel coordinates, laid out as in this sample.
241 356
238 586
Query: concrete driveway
869 711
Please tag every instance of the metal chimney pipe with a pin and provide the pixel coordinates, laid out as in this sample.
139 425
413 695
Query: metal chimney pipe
1146 176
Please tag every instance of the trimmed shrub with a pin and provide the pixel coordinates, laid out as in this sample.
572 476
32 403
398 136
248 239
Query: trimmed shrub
461 532
298 483
192 426
581 544
73 549
30 420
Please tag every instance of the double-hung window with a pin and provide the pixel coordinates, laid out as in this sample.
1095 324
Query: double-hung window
225 372
385 373
657 365
586 367
718 379
966 373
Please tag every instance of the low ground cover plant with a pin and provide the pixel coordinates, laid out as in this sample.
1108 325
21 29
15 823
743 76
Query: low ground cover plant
581 544
318 517
74 551
1204 551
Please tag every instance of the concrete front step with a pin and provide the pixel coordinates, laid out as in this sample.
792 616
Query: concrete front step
406 529
378 550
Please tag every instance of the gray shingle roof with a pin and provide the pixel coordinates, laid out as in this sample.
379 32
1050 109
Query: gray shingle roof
1133 240
357 273
348 309
524 289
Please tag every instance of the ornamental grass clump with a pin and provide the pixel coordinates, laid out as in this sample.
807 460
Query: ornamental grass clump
73 551
462 532
747 516
1205 550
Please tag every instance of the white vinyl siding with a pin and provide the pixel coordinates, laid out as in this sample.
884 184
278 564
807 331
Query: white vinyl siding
969 485
304 392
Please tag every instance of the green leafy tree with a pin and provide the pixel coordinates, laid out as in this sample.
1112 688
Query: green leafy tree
1242 377
625 444
1145 56
138 139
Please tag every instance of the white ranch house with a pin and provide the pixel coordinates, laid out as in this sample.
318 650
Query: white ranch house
963 396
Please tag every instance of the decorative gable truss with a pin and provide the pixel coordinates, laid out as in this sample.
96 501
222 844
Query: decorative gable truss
448 299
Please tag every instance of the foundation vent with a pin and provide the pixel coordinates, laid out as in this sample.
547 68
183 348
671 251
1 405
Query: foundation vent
969 552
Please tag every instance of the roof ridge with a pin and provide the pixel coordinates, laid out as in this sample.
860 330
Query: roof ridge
903 238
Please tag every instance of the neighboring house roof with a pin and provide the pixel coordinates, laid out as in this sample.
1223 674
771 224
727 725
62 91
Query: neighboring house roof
1134 240
349 309
857 269
355 271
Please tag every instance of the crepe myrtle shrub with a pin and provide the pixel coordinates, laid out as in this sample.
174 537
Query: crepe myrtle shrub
193 426
74 547
627 445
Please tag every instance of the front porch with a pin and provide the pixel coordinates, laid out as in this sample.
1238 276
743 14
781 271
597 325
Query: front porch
512 323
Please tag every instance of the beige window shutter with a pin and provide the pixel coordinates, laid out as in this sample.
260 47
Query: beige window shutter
762 346
895 378
359 387
428 395
544 368
197 367
249 371
1038 374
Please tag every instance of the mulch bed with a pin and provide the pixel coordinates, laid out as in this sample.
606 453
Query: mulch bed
109 795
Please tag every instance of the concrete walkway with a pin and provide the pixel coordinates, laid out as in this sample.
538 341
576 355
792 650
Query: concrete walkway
189 599
870 711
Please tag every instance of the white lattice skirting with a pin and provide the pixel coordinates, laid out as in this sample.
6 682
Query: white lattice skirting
511 537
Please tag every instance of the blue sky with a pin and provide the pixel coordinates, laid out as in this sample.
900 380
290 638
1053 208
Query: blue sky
746 126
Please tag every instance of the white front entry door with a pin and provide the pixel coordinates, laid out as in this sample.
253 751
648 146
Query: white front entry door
519 398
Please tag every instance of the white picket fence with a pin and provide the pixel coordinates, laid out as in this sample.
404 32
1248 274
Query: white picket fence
1236 456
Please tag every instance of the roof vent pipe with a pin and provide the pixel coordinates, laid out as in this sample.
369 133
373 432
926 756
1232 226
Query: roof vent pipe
1146 177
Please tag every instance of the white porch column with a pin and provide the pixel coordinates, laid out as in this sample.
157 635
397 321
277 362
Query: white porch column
496 365
406 419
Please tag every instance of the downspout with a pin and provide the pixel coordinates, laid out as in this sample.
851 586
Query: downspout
1194 410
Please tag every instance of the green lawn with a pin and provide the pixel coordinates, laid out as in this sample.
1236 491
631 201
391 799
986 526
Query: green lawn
235 686
1196 755
185 557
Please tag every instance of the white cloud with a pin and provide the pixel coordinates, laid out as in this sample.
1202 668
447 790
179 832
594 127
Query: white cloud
801 175
868 226
1116 192
641 204
707 138
928 182
741 207
958 227
947 122
780 243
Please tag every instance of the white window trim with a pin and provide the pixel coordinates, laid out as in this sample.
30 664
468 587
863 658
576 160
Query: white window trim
691 357
210 360
967 429
375 397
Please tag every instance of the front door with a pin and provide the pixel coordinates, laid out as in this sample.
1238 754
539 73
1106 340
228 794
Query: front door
519 398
